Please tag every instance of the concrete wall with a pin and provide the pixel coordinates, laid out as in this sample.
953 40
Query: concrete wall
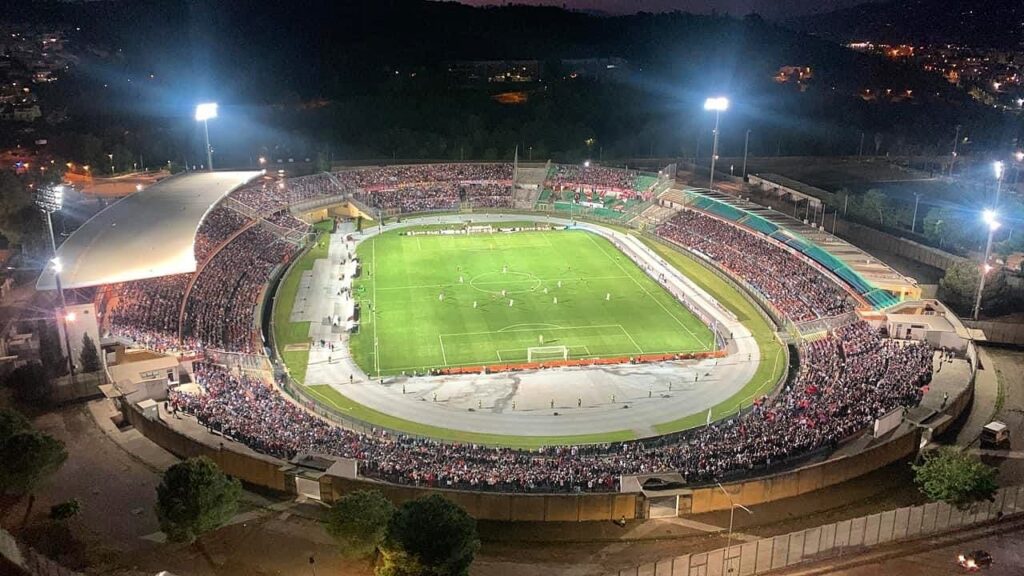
254 469
808 478
507 507
999 332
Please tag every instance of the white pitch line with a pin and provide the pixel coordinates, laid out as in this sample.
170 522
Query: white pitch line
641 286
376 344
444 357
639 349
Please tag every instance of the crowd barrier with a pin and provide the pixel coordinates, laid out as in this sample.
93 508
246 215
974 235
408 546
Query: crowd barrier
638 359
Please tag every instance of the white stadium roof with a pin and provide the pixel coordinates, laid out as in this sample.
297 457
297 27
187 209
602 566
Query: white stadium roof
146 235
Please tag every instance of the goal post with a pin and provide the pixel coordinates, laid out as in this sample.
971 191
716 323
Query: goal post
540 353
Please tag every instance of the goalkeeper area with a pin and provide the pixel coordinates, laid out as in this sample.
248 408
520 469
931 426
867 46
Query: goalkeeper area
446 301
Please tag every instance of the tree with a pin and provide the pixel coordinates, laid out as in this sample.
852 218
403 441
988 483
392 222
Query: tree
430 536
955 477
11 421
959 289
50 353
358 521
28 457
195 497
30 383
90 357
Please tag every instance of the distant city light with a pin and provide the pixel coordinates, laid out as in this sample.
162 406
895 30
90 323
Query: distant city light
206 111
718 104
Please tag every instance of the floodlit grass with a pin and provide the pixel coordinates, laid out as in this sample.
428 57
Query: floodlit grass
771 367
437 301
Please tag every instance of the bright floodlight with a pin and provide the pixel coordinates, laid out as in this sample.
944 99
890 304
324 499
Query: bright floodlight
206 111
50 198
57 266
998 167
719 104
991 218
1019 156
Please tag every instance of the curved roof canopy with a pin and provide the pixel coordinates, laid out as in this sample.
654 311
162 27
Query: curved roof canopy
146 235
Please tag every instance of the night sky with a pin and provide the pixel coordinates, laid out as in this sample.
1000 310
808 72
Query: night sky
767 8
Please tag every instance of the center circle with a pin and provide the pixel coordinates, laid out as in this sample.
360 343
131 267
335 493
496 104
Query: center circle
510 282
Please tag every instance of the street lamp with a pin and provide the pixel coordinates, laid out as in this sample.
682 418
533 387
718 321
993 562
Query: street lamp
718 105
913 224
50 199
991 218
111 156
204 112
732 511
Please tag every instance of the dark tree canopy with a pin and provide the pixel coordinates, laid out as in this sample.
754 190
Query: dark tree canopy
195 497
28 457
955 477
430 536
30 383
358 521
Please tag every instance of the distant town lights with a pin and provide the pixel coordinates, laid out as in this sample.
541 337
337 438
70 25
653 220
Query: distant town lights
206 111
719 104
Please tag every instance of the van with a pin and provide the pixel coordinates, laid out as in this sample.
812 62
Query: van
995 433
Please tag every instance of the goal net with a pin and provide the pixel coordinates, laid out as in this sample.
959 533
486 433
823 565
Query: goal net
539 353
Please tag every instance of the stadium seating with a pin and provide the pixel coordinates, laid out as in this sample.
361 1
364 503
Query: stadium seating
794 287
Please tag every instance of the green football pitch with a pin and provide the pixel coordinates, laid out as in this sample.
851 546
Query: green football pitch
436 301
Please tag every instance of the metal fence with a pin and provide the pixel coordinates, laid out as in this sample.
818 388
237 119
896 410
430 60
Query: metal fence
833 540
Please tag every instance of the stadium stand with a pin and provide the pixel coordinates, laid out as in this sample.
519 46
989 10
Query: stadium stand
849 378
795 288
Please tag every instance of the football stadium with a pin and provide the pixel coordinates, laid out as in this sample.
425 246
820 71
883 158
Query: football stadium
510 328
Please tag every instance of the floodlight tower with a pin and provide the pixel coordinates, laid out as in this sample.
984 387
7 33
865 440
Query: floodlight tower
991 218
719 105
50 199
204 112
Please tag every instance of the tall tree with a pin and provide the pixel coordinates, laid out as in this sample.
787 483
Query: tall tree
30 383
195 497
953 476
28 457
90 357
50 353
358 521
959 289
430 536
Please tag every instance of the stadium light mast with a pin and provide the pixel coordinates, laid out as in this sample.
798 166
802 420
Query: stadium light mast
50 199
991 218
718 105
204 112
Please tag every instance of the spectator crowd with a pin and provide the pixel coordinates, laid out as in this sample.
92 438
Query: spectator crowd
847 380
793 286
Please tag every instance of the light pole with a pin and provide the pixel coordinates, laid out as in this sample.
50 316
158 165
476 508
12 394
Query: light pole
992 219
718 105
732 511
913 224
111 156
746 146
952 160
998 168
49 200
204 112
